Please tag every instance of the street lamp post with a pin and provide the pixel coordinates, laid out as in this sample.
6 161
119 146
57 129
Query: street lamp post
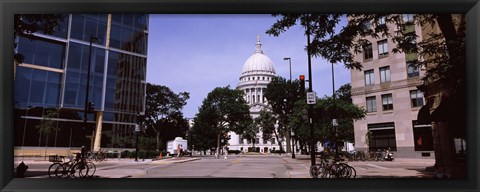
293 144
137 132
335 120
292 140
290 64
92 39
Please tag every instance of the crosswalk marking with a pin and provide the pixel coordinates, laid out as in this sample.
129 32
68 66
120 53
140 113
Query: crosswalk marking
376 166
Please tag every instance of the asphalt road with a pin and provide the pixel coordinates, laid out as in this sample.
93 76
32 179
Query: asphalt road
247 166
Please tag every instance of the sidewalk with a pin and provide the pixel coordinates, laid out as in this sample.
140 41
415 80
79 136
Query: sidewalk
120 169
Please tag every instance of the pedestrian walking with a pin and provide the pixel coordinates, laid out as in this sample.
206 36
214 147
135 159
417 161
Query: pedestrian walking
178 150
225 152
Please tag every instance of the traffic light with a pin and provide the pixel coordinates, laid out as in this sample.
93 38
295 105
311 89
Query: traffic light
302 84
90 107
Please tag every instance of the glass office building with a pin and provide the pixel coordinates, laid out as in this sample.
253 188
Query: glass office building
53 77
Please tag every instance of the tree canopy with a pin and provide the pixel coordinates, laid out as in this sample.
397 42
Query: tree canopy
163 116
223 110
281 96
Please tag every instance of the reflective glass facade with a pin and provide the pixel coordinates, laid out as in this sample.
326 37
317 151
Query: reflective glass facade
53 76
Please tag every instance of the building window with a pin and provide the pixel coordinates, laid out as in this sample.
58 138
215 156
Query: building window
128 32
367 51
407 18
367 25
387 102
422 137
273 140
385 74
460 147
381 21
412 70
369 77
416 96
382 136
264 141
371 104
42 52
93 24
257 140
382 47
37 87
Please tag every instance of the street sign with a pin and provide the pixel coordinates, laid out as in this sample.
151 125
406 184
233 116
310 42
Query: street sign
311 98
335 122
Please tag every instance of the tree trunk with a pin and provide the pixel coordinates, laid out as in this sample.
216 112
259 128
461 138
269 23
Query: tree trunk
158 141
287 140
217 151
46 146
279 143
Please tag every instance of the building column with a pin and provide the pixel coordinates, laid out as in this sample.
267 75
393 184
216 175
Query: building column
261 95
98 131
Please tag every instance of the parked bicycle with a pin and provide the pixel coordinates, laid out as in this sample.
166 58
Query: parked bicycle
76 168
97 156
332 169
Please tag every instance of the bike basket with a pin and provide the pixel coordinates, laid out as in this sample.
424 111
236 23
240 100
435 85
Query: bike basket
55 158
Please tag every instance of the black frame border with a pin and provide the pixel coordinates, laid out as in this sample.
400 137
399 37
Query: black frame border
10 7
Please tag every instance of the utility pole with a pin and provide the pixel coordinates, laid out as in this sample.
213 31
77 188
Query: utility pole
310 107
87 103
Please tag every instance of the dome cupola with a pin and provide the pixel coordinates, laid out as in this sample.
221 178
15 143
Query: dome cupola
258 62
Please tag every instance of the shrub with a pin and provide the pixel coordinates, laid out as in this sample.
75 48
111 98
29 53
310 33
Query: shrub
236 152
277 151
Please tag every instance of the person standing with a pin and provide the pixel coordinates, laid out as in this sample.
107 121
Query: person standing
178 150
225 152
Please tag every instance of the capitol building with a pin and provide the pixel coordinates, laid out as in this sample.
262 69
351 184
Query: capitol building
257 73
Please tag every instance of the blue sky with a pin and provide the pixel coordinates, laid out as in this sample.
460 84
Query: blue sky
196 53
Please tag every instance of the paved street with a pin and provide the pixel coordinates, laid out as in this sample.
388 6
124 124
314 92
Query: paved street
240 166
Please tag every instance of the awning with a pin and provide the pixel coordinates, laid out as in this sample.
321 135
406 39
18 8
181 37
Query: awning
423 116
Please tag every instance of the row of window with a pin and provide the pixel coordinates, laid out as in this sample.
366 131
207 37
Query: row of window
412 71
416 100
257 141
256 78
367 25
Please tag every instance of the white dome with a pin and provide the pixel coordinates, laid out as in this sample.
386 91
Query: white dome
258 62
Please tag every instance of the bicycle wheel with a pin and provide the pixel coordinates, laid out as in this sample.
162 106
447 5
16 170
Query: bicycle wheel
79 170
353 172
314 171
61 171
91 168
52 168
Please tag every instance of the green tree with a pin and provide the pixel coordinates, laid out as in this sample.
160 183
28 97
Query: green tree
344 93
282 95
46 126
266 121
222 111
251 131
202 136
163 114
